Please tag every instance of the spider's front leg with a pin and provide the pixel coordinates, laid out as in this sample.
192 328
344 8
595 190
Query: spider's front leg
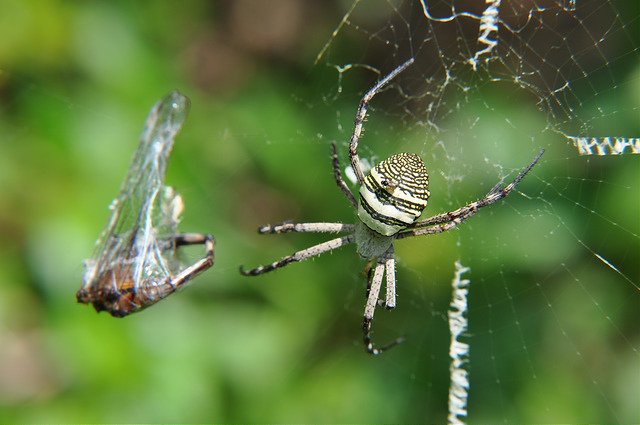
301 255
291 227
384 264
361 115
443 222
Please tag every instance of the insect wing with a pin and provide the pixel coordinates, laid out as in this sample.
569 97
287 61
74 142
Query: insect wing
135 248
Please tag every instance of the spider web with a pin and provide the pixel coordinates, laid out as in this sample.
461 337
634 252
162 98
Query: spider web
554 270
551 274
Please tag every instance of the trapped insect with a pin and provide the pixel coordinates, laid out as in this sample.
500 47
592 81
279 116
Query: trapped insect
135 264
392 197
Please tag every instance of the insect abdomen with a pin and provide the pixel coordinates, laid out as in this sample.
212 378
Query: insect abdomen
394 194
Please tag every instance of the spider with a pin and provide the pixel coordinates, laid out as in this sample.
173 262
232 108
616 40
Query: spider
392 197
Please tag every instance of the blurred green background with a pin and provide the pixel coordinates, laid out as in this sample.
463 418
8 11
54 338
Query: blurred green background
554 331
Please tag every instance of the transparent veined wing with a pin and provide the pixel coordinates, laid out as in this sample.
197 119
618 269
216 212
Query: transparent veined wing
134 264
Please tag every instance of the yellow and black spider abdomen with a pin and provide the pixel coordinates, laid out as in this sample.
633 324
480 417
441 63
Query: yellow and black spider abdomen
394 194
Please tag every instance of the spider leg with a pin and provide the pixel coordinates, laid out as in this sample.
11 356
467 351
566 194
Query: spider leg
300 255
337 174
361 115
390 268
289 227
373 291
446 221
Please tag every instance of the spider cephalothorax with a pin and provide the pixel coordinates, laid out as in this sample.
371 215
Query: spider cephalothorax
392 198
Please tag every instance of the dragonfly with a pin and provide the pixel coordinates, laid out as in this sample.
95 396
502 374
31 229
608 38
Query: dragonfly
135 263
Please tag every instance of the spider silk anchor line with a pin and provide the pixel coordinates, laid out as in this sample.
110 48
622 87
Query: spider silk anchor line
391 198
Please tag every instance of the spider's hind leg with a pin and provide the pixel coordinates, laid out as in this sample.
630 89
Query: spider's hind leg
390 271
373 291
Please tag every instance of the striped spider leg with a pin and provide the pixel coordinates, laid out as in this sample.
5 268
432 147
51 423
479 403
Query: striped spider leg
391 198
447 221
361 115
384 265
